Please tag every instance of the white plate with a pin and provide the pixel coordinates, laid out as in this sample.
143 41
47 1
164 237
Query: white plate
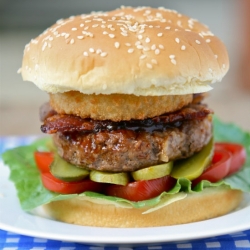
13 219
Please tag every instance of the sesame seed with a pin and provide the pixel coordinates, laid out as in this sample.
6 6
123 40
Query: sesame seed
44 46
72 41
103 26
183 47
124 34
104 32
111 35
157 51
103 54
177 40
86 28
91 50
147 40
59 21
128 44
143 56
179 23
98 51
149 66
153 47
171 56
85 53
167 28
197 41
216 56
19 71
139 46
161 46
66 36
87 21
208 40
173 61
35 41
117 45
82 25
154 61
159 34
123 29
137 43
80 37
95 25
74 29
140 37
130 50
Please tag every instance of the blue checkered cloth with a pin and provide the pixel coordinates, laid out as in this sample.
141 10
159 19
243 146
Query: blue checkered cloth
13 241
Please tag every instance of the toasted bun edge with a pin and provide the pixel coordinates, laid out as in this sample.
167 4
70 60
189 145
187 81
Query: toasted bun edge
210 203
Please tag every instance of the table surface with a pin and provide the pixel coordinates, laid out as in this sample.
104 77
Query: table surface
11 241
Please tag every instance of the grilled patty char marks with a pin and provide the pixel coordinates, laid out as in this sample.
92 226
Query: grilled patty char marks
127 150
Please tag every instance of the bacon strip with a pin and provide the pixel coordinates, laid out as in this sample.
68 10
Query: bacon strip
70 123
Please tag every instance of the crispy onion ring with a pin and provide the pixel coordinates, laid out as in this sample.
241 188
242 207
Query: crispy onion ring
116 107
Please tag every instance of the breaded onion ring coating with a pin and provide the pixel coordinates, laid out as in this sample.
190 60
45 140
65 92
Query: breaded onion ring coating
116 107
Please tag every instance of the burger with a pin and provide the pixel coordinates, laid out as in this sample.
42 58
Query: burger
131 140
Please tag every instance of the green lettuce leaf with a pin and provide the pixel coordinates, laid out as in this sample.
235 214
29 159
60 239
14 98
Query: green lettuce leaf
31 193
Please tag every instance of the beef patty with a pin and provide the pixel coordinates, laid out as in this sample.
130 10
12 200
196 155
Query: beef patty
127 150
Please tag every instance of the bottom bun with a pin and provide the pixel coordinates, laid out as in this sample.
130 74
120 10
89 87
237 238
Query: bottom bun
212 202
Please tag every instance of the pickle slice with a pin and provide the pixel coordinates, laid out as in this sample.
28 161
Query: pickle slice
66 171
107 177
153 172
193 167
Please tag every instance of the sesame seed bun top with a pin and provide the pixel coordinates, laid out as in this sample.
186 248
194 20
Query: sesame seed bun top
140 51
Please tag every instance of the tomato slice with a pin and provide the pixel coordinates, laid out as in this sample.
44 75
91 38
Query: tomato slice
238 155
141 190
43 160
219 168
55 185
